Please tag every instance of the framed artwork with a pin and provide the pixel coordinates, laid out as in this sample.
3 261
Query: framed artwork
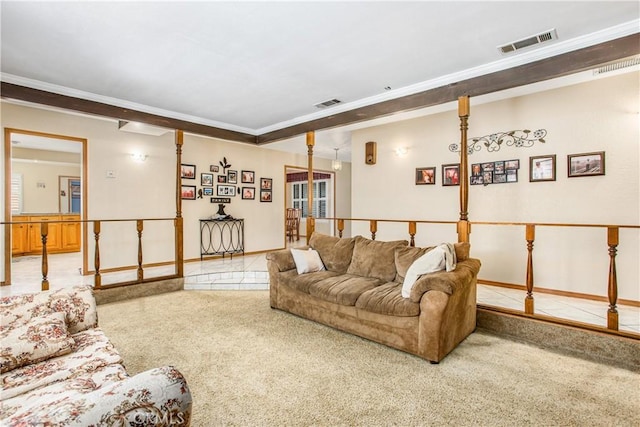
206 179
487 167
248 193
232 177
487 177
542 168
266 183
476 169
512 164
499 178
265 195
451 174
226 190
248 177
207 191
476 180
187 171
512 175
426 176
222 179
585 164
188 192
213 168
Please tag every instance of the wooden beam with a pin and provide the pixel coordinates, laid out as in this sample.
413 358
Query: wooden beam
545 69
23 93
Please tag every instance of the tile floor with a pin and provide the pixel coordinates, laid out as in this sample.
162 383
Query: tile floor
250 273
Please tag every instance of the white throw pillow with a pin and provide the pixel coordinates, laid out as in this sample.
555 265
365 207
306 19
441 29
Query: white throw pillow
442 257
307 261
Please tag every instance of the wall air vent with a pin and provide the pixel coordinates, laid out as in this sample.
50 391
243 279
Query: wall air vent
328 103
619 65
529 41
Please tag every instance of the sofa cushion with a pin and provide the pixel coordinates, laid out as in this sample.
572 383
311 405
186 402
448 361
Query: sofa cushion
372 258
93 350
17 310
79 305
307 261
387 299
405 256
301 282
42 338
344 289
335 252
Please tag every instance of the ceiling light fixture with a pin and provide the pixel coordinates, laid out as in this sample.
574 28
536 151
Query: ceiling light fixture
137 127
336 164
401 151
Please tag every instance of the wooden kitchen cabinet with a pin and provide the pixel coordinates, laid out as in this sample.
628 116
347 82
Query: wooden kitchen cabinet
63 234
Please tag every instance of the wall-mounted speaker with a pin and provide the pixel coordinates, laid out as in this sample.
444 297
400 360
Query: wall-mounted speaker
370 153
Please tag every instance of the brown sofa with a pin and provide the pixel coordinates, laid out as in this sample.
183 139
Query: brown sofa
360 293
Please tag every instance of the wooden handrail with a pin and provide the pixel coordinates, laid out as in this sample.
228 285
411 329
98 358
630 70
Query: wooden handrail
612 243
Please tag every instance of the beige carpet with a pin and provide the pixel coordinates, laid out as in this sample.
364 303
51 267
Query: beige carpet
249 365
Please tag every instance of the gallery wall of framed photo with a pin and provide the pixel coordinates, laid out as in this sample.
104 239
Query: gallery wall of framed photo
220 184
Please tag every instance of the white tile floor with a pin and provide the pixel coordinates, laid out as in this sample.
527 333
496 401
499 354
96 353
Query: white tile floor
250 273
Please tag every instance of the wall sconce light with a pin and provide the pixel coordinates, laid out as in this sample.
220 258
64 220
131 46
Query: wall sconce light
138 157
401 151
336 164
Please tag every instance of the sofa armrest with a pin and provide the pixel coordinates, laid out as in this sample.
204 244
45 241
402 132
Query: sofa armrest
446 282
282 260
158 396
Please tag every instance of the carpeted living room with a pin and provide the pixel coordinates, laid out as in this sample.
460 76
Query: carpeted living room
250 365
377 260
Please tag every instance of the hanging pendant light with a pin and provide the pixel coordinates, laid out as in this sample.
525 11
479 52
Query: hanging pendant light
336 164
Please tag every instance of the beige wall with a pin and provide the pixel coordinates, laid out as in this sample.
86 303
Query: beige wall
40 185
146 190
598 116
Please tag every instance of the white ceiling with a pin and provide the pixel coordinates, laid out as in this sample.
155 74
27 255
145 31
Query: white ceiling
255 67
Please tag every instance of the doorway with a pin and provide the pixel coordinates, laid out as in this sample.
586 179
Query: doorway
296 197
36 166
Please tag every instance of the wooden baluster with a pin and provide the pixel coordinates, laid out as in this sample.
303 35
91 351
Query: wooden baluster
373 227
97 279
311 140
178 224
139 228
44 231
612 313
340 227
412 232
530 236
463 177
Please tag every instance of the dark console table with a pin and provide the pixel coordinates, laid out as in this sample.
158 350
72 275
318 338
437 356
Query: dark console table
221 236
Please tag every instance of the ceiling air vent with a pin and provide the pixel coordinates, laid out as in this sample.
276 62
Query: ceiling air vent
529 41
615 66
328 103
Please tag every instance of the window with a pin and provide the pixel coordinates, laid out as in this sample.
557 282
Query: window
16 193
300 198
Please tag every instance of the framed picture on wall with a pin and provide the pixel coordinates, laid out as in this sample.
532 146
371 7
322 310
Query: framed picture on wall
542 168
266 183
265 196
222 179
187 171
206 179
207 191
426 176
248 177
226 190
188 192
451 174
213 168
585 164
248 193
232 177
